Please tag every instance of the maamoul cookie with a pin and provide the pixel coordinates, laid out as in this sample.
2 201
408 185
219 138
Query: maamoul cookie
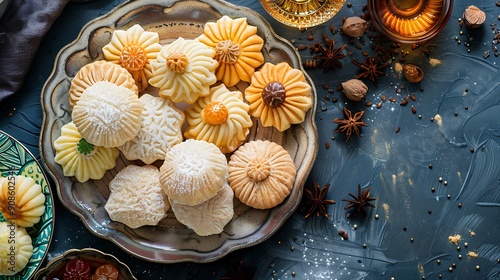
184 70
21 200
160 130
14 258
136 197
238 48
279 95
193 172
99 71
108 115
134 49
81 159
221 118
261 174
209 217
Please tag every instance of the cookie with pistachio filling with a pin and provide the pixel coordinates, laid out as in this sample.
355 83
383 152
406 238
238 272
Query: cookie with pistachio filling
81 159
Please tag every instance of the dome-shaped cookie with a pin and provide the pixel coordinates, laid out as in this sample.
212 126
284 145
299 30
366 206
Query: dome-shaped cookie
21 200
14 258
209 217
184 70
160 130
261 174
136 197
99 71
279 95
221 118
238 48
193 172
81 159
134 49
108 115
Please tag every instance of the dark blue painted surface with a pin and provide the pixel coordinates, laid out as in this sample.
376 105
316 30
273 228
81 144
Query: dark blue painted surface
395 165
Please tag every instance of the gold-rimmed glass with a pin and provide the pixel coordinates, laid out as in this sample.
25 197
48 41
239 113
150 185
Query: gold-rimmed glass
302 13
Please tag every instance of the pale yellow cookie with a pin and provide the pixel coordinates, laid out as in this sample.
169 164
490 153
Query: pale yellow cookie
134 49
99 71
209 217
261 174
184 70
81 159
238 48
193 172
160 130
108 115
16 248
221 118
21 200
136 197
279 95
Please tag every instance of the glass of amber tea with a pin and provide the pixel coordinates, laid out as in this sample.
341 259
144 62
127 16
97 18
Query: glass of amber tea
302 13
410 21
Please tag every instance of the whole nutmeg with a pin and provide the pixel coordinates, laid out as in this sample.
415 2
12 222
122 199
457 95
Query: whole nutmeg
413 73
354 27
473 17
355 89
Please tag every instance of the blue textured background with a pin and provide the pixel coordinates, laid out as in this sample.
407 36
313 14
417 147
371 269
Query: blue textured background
394 165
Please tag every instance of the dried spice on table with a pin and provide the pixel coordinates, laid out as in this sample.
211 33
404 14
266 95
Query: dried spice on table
239 273
316 200
361 202
330 56
350 123
371 68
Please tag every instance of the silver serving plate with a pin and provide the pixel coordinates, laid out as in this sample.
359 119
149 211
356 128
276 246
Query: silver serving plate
170 241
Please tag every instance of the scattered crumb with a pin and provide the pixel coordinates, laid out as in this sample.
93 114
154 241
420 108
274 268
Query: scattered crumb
454 238
434 62
472 255
438 119
472 233
398 67
385 206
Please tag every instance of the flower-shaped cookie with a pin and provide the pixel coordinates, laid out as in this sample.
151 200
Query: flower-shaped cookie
279 95
221 118
134 49
238 48
184 70
81 159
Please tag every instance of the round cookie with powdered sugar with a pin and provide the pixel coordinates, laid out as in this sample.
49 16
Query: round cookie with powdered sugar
193 172
108 115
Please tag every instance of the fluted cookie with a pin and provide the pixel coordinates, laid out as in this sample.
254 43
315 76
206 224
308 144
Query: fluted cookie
14 258
81 159
279 95
21 200
221 118
99 71
261 174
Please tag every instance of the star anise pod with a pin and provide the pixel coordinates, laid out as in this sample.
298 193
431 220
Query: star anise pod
350 123
330 56
361 202
316 200
239 273
371 68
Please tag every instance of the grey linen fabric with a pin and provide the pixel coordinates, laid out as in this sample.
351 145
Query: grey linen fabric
22 27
